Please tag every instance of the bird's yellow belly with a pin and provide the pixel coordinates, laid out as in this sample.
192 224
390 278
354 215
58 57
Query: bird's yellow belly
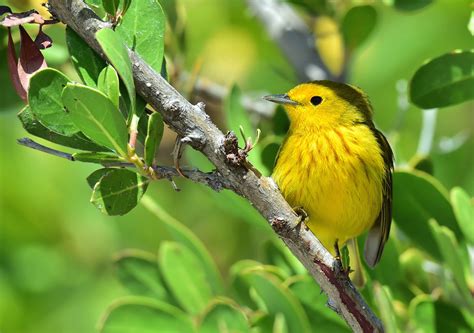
336 179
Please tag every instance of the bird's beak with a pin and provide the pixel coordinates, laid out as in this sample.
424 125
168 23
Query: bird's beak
280 99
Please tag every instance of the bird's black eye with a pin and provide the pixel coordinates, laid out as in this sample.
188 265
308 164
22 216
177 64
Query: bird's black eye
316 100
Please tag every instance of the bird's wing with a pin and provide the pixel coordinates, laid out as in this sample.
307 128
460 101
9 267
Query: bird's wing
379 232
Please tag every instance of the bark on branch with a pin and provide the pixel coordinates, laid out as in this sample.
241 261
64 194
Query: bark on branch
193 124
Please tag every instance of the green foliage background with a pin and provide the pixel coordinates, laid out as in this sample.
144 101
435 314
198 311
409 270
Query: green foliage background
56 249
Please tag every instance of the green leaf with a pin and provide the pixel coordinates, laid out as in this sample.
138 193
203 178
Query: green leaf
269 153
153 138
94 177
108 82
451 252
119 191
138 271
87 63
449 318
409 5
223 315
77 141
279 255
315 304
143 127
171 10
143 29
280 121
384 302
44 98
411 268
417 198
144 315
464 211
422 313
237 116
111 6
182 234
96 116
96 157
357 25
184 276
117 53
444 81
278 299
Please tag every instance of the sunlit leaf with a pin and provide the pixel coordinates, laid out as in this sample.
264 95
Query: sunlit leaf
118 191
96 116
77 141
444 81
108 82
87 63
44 97
184 277
117 53
141 314
144 34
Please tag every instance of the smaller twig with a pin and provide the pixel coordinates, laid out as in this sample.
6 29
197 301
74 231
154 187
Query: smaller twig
212 179
177 152
35 145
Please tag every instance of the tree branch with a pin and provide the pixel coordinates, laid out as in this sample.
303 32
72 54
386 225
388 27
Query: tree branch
193 124
294 38
211 179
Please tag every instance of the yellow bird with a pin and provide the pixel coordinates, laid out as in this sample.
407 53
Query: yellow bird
336 166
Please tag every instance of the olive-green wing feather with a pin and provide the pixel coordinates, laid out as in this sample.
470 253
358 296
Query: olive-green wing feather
378 234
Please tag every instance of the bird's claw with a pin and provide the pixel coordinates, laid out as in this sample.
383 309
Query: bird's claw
303 217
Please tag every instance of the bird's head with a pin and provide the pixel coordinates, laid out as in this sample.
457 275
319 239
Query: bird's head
320 104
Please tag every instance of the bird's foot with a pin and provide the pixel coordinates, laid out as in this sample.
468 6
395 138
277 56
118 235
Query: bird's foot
302 216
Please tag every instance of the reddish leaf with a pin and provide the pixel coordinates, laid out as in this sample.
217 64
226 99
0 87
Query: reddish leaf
13 67
21 18
31 60
42 40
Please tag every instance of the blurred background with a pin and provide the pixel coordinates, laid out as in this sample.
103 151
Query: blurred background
56 249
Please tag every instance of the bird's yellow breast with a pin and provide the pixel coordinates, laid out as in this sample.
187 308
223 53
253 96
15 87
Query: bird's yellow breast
335 175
